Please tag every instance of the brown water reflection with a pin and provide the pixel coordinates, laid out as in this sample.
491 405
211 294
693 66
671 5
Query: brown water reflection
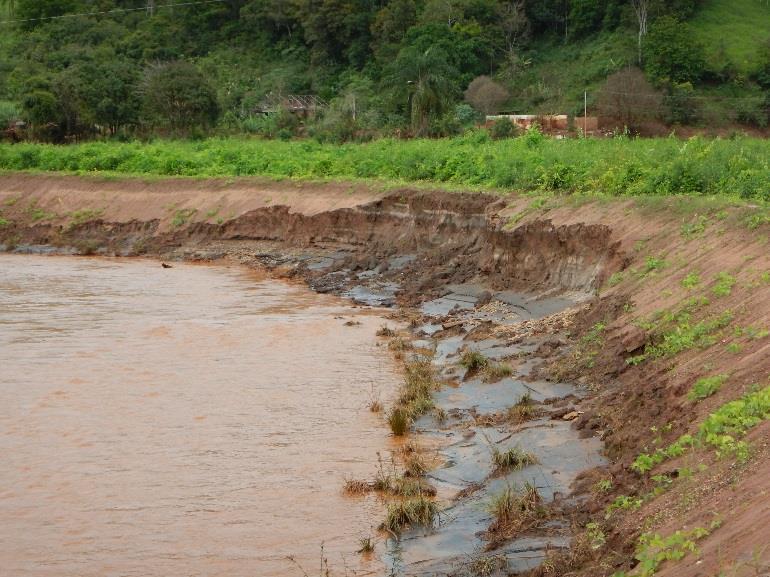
191 421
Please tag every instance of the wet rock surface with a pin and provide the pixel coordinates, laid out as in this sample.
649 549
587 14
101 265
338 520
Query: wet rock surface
470 423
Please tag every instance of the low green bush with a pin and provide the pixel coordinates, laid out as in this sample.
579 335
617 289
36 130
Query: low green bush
622 166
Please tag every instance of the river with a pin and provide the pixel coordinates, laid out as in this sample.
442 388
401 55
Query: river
198 420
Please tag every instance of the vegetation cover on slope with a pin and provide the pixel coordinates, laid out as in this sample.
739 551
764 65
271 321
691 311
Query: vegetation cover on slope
738 167
79 69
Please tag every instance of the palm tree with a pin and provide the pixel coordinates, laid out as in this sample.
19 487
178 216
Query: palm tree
426 76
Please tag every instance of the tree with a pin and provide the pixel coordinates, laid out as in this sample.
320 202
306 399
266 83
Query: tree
486 95
641 9
32 13
514 25
762 72
629 99
671 53
178 97
426 81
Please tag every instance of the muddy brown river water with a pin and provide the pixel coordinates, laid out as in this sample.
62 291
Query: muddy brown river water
198 420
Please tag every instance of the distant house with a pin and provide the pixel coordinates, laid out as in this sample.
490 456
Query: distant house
551 123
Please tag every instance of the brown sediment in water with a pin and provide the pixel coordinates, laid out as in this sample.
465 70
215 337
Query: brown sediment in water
193 421
412 247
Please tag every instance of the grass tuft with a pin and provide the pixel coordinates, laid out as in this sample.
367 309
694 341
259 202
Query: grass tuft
705 387
494 372
515 511
417 511
512 459
473 361
524 410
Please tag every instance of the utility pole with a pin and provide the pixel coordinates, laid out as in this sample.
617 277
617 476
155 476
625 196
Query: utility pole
151 7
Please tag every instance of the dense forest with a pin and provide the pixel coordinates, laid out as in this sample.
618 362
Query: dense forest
74 69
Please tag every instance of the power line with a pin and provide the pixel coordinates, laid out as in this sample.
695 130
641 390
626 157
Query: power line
114 11
683 97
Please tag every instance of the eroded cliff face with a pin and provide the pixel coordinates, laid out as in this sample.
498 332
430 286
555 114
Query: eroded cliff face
453 237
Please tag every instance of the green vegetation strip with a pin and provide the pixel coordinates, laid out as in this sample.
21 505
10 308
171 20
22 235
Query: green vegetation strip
721 430
739 167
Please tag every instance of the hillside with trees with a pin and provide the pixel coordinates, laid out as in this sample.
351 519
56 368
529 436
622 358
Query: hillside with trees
79 69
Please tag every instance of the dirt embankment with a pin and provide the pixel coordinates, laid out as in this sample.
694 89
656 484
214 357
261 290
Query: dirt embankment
677 325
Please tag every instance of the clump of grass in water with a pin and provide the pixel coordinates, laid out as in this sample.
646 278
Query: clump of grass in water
514 511
417 511
357 487
494 372
415 464
365 545
524 410
514 458
415 398
399 421
399 344
385 331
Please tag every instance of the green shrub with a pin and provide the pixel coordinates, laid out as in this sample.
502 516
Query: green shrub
706 386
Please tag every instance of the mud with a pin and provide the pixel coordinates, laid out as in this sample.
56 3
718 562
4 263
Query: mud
465 439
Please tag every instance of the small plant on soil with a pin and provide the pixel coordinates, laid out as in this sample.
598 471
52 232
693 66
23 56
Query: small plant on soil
4 222
623 503
486 566
417 511
734 348
751 332
411 487
695 228
654 549
615 279
473 361
494 372
83 215
440 414
706 386
603 486
595 535
724 284
653 264
721 431
595 335
182 217
691 281
514 458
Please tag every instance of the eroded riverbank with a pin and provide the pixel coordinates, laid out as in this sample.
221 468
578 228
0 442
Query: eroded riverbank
562 291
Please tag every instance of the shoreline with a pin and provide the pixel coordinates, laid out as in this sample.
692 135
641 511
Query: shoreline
412 249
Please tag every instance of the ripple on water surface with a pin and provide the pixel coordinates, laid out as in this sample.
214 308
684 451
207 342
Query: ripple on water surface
198 420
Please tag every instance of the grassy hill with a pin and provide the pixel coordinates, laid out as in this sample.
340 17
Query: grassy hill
735 28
